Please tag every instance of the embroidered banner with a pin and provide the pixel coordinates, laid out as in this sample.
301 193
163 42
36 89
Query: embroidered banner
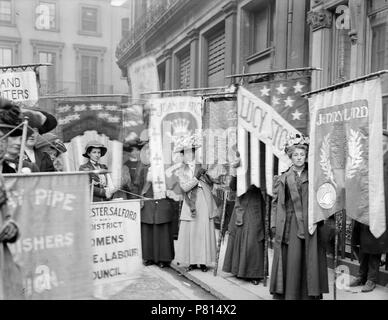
74 118
346 155
170 119
53 251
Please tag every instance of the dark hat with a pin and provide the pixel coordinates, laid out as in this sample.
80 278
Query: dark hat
50 139
385 132
134 143
95 144
10 117
39 119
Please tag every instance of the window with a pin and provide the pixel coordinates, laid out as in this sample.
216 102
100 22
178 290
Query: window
89 19
124 27
5 56
46 16
216 59
184 70
89 74
262 27
378 17
162 76
48 74
6 11
379 40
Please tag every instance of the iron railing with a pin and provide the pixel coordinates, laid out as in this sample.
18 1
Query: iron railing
143 23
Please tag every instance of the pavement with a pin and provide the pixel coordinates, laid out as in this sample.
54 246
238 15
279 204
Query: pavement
225 286
153 283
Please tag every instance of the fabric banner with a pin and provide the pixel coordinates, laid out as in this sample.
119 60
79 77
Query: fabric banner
74 118
258 121
116 242
170 119
19 87
285 96
144 76
346 155
53 251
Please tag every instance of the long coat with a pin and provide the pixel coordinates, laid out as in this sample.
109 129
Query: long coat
99 193
153 212
188 183
42 161
361 234
317 278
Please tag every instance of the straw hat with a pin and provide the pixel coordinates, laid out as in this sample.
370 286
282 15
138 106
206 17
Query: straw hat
95 144
187 142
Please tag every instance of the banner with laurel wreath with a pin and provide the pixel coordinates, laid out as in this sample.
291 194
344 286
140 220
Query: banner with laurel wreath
346 157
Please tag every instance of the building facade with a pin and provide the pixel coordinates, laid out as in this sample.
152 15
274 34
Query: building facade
199 43
77 37
349 39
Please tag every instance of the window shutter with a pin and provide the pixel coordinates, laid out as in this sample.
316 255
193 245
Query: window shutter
216 59
184 71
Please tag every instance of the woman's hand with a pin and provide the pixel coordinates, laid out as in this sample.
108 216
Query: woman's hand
8 231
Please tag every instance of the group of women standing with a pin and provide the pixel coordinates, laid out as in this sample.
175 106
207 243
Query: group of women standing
299 269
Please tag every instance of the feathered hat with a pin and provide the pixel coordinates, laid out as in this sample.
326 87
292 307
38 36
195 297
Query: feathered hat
187 142
10 117
296 140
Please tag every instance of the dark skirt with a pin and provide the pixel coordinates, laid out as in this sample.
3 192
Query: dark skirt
294 262
157 242
244 255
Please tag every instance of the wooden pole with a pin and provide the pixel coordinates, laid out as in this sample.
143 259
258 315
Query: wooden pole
22 146
335 257
221 230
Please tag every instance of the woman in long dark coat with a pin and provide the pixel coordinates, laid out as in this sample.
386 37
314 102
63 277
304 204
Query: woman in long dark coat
299 267
371 248
156 219
244 255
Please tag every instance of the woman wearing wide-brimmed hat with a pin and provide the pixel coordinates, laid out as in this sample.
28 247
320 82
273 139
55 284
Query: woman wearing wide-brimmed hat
51 145
196 243
11 287
101 183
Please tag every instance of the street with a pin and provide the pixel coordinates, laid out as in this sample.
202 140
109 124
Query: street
162 284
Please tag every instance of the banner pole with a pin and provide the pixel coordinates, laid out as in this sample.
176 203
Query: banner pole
335 257
221 229
266 238
22 146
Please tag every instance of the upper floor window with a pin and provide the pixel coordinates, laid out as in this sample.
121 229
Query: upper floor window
124 27
46 16
5 56
262 27
89 19
6 11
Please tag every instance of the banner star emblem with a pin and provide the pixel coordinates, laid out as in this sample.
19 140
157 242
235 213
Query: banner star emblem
298 87
275 101
281 89
265 91
288 102
296 115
